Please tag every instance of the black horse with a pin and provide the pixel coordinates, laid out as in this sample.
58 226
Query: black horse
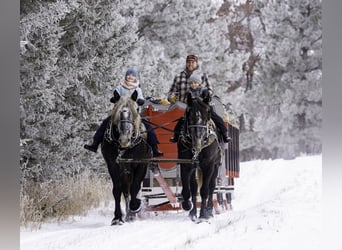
126 138
199 141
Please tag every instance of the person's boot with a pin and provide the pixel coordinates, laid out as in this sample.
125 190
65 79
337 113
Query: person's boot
93 147
174 139
226 139
155 150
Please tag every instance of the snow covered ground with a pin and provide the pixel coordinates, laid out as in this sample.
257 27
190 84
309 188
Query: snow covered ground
277 205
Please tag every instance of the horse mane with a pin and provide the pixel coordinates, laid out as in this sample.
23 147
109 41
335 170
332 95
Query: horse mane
126 101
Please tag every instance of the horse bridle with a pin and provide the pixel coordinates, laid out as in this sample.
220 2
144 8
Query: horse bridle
188 139
136 131
127 121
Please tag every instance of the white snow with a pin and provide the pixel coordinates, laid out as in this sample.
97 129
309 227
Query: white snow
276 205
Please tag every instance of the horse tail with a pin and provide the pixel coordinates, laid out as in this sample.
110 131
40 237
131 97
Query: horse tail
199 176
128 180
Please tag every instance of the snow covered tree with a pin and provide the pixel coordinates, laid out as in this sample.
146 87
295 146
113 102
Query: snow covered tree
40 35
72 54
170 30
287 100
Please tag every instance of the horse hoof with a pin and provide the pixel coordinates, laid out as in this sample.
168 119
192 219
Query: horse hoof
210 213
200 220
204 218
135 208
117 222
193 217
187 205
130 216
205 213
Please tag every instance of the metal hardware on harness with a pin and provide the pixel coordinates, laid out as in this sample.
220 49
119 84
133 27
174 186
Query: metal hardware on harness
118 158
195 156
197 126
135 136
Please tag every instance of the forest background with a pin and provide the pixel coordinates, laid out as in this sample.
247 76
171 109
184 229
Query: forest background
73 53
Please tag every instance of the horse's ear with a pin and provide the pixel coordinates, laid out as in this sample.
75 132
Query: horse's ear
134 96
207 99
189 99
205 96
116 96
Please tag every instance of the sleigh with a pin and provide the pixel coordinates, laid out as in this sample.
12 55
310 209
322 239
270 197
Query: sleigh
162 186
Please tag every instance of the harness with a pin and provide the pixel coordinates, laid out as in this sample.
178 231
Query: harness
185 138
122 151
112 134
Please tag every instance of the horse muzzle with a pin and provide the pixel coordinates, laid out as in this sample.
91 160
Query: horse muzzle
197 145
125 142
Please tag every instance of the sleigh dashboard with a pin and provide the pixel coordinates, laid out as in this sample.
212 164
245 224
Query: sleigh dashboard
163 119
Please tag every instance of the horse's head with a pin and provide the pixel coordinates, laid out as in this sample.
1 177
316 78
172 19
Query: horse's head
197 121
126 119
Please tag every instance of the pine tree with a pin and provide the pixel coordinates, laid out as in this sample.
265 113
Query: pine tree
171 30
71 55
288 99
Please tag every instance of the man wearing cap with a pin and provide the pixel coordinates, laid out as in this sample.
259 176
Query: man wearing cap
182 85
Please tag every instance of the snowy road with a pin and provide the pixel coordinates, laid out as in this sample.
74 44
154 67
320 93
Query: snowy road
277 205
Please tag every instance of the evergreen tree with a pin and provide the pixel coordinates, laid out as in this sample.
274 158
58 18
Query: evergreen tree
171 30
71 55
287 100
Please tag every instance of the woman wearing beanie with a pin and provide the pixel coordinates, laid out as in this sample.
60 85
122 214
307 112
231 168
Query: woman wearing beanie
128 85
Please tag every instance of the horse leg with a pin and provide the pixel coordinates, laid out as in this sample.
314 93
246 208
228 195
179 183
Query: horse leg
125 184
139 174
212 185
210 204
193 190
204 192
186 172
129 215
116 191
126 202
117 220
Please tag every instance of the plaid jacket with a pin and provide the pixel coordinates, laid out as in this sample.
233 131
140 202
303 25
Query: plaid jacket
180 86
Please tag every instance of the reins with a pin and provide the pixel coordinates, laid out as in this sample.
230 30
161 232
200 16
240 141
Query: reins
162 126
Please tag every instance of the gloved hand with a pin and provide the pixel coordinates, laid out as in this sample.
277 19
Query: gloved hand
173 99
112 100
205 93
140 102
